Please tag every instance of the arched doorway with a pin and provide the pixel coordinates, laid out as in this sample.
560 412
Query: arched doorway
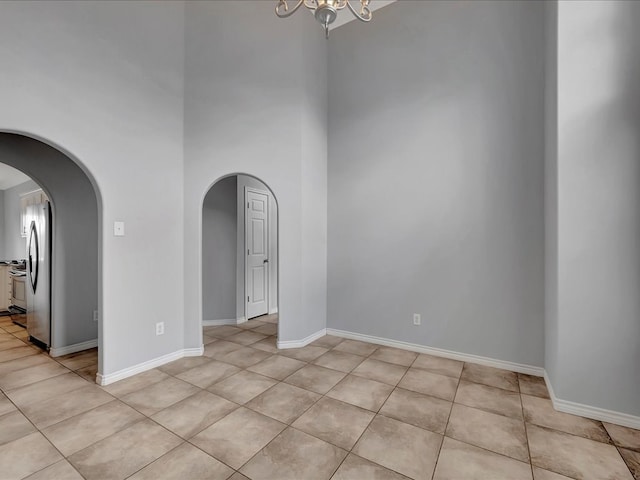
240 262
75 251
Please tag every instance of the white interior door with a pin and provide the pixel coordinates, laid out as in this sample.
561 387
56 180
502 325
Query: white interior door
257 262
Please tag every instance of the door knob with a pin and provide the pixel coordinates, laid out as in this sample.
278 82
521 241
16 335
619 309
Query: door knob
266 260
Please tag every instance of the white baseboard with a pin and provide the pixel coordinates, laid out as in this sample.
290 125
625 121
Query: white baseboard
438 352
304 342
595 413
77 347
148 365
215 323
273 310
240 320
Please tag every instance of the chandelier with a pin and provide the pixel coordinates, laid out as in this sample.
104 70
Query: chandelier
325 11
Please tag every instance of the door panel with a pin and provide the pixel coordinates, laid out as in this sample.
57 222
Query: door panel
257 262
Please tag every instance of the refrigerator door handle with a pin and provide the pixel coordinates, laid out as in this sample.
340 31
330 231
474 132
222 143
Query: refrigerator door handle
33 244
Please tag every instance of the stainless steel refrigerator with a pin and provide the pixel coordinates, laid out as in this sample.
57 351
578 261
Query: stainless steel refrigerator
39 274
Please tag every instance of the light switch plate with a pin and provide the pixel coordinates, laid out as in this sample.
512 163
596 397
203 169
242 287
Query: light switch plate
118 229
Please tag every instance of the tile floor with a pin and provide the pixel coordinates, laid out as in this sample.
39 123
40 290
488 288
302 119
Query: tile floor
338 409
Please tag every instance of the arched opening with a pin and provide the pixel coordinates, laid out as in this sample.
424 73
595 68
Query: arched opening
70 330
240 263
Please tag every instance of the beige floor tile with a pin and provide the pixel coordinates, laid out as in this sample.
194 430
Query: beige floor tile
238 476
185 462
540 411
238 436
6 406
61 470
11 343
206 339
493 432
220 348
532 385
287 458
56 409
283 402
335 422
429 383
358 468
277 367
304 354
459 460
246 337
439 365
26 455
24 363
156 397
267 329
400 447
341 361
361 392
540 474
623 436
494 377
251 324
271 318
125 452
380 371
245 357
27 376
12 328
395 355
77 360
17 352
490 399
316 379
222 331
182 365
193 414
131 384
22 335
242 387
328 341
632 459
356 347
574 456
207 374
80 431
47 389
89 372
417 409
269 345
13 426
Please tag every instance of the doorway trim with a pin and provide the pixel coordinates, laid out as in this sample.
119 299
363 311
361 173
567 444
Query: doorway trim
240 294
54 250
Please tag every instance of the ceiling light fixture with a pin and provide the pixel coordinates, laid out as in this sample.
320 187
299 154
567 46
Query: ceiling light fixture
325 11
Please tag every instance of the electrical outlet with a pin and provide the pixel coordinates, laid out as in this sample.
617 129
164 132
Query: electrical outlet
160 328
95 315
416 319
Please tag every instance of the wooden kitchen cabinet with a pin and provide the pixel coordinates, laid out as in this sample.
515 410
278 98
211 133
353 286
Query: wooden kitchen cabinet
27 199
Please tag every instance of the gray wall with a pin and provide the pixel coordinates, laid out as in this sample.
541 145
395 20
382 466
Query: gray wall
598 336
246 108
112 98
74 280
436 150
15 243
219 245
